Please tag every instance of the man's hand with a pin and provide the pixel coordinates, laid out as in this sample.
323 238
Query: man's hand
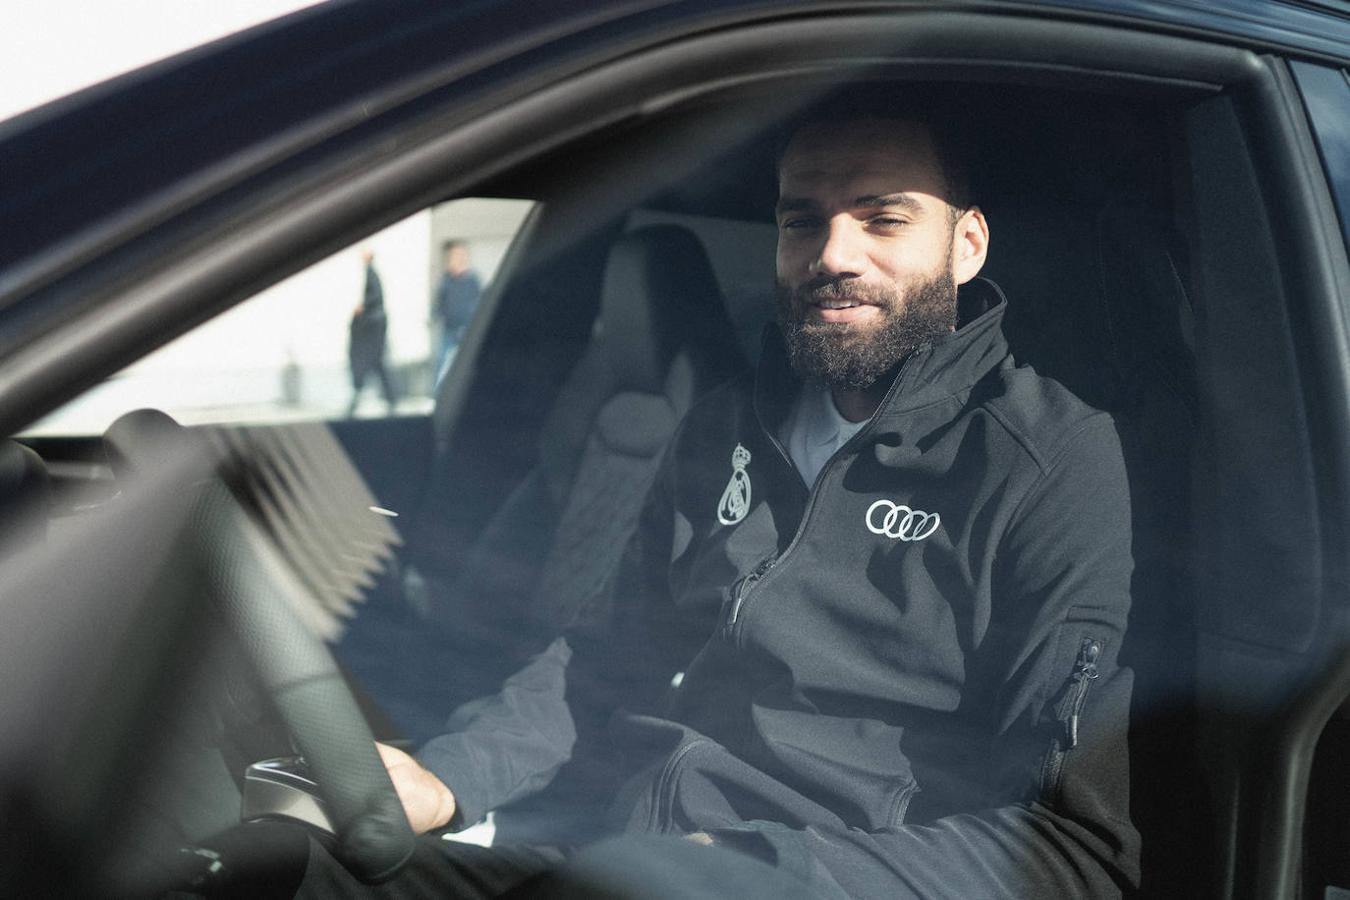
427 802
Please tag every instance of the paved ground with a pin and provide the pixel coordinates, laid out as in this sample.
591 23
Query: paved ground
239 396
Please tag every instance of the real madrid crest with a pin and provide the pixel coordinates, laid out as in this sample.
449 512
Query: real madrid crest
735 502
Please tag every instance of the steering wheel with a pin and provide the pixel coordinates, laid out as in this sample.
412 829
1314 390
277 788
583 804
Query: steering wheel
246 578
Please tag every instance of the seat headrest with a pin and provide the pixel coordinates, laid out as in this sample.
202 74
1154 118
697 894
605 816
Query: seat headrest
659 297
22 472
25 496
131 442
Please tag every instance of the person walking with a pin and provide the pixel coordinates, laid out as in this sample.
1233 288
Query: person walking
365 351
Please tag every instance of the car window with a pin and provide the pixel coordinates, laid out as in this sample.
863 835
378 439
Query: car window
1326 93
293 352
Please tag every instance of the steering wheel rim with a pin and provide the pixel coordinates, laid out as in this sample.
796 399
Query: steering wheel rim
247 580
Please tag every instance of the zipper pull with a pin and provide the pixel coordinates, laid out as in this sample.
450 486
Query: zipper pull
746 583
1084 673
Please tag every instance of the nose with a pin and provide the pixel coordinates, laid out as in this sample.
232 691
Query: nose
841 253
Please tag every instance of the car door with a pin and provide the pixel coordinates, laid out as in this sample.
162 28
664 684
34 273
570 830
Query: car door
1299 813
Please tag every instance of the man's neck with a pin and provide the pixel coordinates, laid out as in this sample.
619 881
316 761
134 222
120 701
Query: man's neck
857 405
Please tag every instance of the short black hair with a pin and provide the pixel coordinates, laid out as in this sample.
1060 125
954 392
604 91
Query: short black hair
452 244
926 107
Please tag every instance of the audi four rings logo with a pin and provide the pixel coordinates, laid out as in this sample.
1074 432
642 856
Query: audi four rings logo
900 522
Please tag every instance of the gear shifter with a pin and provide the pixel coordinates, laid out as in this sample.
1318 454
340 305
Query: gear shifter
282 789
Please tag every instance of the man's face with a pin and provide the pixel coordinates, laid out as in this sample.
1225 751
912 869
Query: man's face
869 251
456 260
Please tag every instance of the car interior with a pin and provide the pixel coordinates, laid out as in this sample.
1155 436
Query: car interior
531 498
1140 231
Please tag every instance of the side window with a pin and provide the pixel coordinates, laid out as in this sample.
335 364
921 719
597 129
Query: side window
1326 94
365 332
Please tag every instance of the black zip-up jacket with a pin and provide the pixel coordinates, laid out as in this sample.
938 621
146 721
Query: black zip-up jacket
900 681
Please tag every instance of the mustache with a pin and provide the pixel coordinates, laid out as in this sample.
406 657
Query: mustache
825 287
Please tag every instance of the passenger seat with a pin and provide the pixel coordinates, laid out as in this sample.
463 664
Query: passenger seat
25 499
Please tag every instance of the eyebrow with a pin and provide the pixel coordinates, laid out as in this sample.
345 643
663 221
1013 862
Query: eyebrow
866 201
875 201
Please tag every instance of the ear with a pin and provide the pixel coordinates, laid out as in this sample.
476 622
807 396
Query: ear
970 245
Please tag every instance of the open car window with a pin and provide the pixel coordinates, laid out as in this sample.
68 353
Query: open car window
292 352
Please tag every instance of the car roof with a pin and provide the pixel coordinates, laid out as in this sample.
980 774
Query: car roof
1312 27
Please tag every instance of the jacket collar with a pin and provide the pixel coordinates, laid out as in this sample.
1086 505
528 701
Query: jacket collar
946 366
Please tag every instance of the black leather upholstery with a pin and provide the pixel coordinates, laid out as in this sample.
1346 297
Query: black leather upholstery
1098 299
25 498
662 338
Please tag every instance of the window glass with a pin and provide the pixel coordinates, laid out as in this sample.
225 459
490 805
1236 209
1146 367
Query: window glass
1326 92
296 351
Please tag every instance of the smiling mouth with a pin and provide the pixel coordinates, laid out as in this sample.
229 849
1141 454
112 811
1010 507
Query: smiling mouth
841 312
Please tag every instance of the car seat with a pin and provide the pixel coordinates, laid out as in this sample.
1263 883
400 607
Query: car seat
1105 310
25 498
661 339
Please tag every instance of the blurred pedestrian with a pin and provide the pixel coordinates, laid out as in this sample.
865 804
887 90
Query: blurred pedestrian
455 301
366 349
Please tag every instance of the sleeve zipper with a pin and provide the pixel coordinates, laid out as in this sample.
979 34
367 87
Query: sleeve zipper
1084 673
1068 712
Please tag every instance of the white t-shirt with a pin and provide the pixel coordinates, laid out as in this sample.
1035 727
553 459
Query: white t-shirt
815 430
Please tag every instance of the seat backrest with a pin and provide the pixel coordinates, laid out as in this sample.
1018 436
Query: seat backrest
1152 324
662 339
1105 309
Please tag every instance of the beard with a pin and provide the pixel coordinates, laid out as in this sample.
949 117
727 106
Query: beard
849 357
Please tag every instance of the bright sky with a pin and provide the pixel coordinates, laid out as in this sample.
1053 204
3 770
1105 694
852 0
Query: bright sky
54 47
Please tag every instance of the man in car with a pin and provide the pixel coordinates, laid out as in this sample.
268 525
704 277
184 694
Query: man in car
866 634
